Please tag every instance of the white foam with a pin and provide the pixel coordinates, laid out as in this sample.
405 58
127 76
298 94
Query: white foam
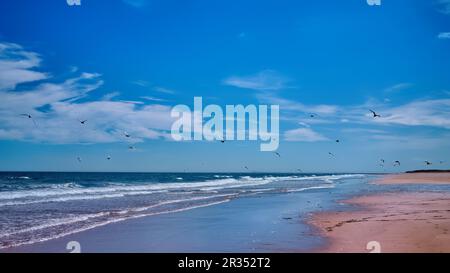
110 222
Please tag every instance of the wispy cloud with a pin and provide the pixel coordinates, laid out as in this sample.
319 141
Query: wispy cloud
59 122
16 66
444 35
141 83
304 135
398 87
444 6
262 81
164 90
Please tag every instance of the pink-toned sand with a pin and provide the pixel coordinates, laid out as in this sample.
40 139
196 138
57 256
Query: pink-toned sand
416 178
403 222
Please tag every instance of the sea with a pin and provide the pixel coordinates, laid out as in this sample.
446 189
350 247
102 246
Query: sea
40 206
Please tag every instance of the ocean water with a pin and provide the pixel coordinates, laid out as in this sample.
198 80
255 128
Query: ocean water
36 207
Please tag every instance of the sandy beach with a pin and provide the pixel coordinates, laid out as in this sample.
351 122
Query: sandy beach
399 222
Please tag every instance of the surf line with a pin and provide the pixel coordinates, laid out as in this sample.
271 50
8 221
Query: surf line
253 123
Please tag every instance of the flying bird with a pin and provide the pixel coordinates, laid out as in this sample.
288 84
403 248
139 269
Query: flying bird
131 148
126 134
108 157
83 122
29 117
277 154
375 115
330 153
397 163
337 141
246 167
382 160
428 163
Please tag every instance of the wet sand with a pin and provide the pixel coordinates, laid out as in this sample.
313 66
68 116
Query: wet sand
399 222
416 178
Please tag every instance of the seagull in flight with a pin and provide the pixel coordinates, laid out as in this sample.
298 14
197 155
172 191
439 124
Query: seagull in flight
29 117
312 115
330 153
375 115
246 167
277 154
126 134
428 163
83 122
397 163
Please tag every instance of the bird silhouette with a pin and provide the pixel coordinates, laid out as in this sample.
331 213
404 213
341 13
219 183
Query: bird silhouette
83 122
428 163
330 153
397 163
277 154
29 117
375 115
126 134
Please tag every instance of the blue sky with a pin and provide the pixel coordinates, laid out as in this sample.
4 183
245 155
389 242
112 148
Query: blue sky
123 64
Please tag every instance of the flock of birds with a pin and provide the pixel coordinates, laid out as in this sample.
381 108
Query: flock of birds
382 162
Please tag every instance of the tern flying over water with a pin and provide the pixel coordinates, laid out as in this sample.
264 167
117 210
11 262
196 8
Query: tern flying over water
375 115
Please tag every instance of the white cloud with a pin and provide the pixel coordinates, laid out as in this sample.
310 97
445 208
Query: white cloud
56 109
164 90
152 98
262 81
303 134
444 35
16 66
434 113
